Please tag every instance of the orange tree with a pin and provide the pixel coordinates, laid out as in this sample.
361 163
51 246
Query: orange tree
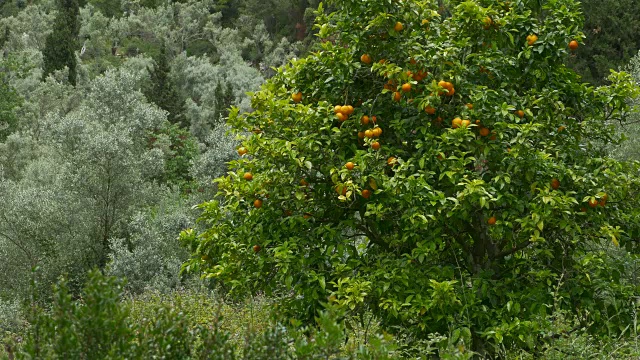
439 166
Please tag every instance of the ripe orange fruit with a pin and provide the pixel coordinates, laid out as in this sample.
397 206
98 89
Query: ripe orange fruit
256 248
392 161
374 119
341 116
430 110
561 129
366 193
248 176
364 120
375 145
520 113
555 184
406 87
603 200
456 123
349 110
297 97
398 26
469 106
349 165
376 132
487 22
337 109
368 134
448 86
360 135
593 202
531 39
573 45
492 220
365 58
397 96
242 150
344 109
341 190
420 75
257 203
484 131
465 123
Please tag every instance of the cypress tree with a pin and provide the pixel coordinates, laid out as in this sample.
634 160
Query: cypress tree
60 45
223 101
162 91
9 100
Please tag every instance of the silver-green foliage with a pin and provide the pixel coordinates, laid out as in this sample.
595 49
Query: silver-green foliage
150 258
77 184
630 149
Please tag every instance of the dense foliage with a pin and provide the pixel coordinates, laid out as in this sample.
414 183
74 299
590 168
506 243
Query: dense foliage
101 326
612 38
356 222
441 167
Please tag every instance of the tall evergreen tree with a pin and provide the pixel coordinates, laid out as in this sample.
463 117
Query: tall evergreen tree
223 101
60 45
9 100
162 91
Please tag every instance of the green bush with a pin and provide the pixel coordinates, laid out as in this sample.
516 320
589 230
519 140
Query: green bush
101 325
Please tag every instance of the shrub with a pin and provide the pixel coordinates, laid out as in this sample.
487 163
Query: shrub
100 325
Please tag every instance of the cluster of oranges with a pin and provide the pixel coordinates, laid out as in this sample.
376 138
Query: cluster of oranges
458 122
370 133
343 111
417 76
447 86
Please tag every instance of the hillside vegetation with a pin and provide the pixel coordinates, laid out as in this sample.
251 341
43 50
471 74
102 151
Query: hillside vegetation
241 179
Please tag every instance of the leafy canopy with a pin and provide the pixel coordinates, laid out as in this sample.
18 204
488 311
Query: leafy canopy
485 197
